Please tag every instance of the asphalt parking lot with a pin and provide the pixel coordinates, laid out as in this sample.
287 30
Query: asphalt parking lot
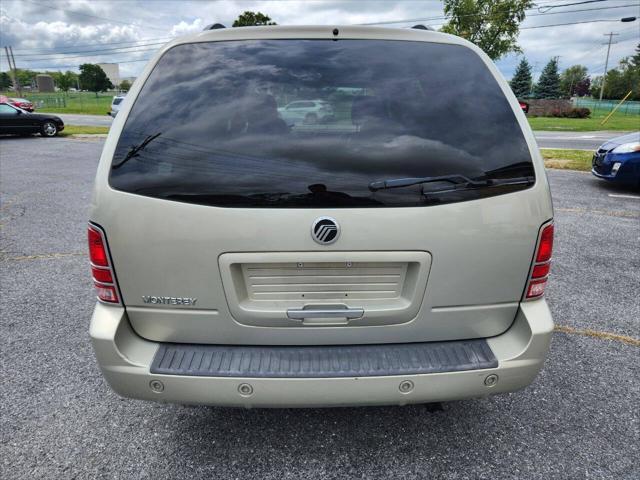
59 419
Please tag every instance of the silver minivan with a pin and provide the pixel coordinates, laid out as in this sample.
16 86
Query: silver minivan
396 253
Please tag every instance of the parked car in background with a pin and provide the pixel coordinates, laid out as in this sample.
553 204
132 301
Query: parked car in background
618 160
524 106
115 105
22 103
401 257
307 112
14 120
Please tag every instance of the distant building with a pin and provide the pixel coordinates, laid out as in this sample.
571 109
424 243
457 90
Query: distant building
128 79
113 72
45 83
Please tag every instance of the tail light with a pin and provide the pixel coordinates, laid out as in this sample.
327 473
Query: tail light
101 269
537 281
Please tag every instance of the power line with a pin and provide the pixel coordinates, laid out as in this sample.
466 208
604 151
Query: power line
445 17
46 50
73 12
136 48
549 7
72 54
85 58
54 67
571 23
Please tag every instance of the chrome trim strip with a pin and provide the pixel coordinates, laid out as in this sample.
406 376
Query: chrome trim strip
325 311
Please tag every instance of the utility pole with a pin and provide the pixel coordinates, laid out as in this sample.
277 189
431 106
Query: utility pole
12 68
606 63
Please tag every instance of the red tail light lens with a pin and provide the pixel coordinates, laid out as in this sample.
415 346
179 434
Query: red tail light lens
97 248
102 275
545 246
540 272
101 269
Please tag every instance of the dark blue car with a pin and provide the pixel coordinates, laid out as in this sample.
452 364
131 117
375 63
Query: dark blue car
618 160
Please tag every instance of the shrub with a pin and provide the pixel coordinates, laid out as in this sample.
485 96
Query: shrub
578 113
571 113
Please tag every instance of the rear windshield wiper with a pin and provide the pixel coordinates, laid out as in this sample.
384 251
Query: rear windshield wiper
458 181
135 149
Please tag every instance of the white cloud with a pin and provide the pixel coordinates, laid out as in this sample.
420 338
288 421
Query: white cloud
184 28
26 26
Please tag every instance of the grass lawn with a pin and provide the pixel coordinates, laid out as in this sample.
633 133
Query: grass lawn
567 159
76 130
88 103
618 121
72 102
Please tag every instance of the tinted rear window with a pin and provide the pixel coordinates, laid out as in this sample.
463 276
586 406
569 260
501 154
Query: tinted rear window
312 123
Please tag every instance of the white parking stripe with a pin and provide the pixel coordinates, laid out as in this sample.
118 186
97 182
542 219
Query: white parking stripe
624 196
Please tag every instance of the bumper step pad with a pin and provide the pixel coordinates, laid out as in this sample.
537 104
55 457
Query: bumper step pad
322 361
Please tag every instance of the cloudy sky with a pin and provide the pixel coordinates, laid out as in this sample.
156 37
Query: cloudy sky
48 34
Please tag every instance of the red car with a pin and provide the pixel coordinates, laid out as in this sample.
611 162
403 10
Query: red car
22 103
524 106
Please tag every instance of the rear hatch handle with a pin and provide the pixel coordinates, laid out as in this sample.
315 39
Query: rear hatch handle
324 311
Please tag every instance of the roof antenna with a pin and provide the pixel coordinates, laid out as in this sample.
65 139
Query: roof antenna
422 27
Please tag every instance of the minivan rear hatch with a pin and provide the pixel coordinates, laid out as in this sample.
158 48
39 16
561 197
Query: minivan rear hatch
408 211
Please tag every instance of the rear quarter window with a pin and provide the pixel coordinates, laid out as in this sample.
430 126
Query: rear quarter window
236 124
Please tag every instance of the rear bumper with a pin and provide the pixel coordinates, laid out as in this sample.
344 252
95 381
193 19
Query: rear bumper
126 360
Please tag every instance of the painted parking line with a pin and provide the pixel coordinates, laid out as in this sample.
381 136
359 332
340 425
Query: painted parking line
619 195
598 334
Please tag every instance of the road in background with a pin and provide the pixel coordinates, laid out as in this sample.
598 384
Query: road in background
577 140
85 120
59 419
574 140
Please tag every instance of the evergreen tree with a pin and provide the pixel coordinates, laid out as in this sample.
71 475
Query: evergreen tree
548 85
521 81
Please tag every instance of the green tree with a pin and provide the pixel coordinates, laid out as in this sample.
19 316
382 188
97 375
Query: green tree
93 78
571 78
621 80
67 80
249 19
548 85
125 85
582 87
521 81
630 81
493 25
26 77
5 81
596 84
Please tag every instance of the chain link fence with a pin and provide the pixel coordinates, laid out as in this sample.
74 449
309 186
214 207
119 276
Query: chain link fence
605 106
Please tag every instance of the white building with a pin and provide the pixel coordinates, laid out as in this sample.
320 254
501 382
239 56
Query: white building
113 72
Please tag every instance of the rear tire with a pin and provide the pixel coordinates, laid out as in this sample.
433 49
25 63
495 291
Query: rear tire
49 129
